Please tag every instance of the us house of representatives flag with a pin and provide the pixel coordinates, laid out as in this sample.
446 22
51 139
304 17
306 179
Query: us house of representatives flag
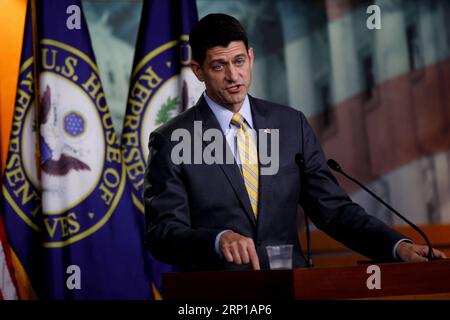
7 287
67 207
162 85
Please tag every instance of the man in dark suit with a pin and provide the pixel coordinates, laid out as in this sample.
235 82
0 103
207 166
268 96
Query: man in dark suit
222 216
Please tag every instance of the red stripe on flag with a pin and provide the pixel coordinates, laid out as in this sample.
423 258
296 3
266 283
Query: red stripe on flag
405 120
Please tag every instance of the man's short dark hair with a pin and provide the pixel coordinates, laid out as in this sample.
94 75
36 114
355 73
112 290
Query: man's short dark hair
215 29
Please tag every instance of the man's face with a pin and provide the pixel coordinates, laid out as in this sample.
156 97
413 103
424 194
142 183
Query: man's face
227 73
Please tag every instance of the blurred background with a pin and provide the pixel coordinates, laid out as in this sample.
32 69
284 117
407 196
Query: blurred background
377 99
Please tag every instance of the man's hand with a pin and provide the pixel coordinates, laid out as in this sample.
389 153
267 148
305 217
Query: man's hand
238 249
410 252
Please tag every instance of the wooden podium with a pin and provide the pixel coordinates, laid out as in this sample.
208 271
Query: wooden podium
428 280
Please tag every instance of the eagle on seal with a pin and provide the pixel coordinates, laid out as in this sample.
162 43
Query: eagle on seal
64 163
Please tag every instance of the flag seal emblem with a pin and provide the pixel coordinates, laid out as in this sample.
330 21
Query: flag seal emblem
158 91
80 158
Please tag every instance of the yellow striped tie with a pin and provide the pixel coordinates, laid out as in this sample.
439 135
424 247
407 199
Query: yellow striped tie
248 155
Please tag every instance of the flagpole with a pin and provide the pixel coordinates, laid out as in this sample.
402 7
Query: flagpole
37 100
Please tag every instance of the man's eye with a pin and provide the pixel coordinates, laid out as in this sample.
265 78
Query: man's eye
240 62
217 67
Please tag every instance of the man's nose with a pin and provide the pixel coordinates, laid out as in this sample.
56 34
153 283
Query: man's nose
232 73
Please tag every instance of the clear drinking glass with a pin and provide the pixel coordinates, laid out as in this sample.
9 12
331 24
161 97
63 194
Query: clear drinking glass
280 257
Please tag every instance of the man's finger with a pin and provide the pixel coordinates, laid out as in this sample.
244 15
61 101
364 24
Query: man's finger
235 252
253 257
423 251
436 253
439 254
243 251
227 254
417 258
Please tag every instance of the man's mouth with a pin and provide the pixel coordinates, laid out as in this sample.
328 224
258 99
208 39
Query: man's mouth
234 89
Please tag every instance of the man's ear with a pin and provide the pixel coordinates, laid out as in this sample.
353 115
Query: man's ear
197 69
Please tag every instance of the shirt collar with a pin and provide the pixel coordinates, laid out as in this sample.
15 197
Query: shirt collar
224 115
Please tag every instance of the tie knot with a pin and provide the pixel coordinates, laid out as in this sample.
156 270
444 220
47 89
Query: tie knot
237 120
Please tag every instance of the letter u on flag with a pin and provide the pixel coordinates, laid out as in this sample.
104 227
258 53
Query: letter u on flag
66 198
162 85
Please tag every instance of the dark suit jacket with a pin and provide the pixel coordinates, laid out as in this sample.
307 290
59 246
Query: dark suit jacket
187 205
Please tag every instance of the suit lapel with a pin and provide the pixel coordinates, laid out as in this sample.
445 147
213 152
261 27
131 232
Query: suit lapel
261 122
231 171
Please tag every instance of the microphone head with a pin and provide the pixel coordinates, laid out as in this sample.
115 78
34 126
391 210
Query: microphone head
334 165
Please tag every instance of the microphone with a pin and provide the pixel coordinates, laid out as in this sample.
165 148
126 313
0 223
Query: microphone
336 167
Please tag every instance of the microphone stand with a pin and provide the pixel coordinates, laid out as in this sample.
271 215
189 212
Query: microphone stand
336 167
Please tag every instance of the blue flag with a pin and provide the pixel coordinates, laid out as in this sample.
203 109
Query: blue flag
162 85
67 197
